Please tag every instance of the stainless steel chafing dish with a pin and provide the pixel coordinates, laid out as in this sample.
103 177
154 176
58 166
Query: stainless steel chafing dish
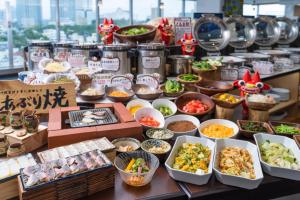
212 33
242 32
268 31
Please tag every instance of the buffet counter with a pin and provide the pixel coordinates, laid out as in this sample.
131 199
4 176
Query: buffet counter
164 187
289 79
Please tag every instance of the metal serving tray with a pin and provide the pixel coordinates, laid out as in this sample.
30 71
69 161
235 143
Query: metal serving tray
75 118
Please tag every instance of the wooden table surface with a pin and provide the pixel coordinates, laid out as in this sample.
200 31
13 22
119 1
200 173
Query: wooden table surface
162 186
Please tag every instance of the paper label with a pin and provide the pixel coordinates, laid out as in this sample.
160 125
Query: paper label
122 81
94 65
77 60
151 80
110 64
39 54
151 62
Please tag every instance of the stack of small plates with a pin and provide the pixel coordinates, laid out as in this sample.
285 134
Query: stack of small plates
282 92
276 97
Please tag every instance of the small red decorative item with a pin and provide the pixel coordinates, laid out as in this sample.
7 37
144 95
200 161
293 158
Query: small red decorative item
250 85
106 31
166 31
188 44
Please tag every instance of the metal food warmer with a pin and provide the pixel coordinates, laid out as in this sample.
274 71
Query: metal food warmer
212 34
289 32
243 35
268 33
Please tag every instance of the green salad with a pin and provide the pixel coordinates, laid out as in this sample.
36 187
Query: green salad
173 86
278 155
135 31
189 77
165 110
206 65
286 129
203 65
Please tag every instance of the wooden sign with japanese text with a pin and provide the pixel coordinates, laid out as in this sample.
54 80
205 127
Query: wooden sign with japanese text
16 95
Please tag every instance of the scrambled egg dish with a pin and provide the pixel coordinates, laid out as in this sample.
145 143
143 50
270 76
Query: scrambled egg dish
193 158
237 162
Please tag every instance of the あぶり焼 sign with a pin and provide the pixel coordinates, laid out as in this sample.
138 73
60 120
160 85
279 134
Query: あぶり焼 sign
15 95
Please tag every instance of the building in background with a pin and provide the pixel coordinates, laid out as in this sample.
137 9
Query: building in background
66 10
85 11
28 13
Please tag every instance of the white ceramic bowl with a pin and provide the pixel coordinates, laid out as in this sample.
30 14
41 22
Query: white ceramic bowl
165 102
138 102
188 176
238 181
150 112
223 122
190 118
279 171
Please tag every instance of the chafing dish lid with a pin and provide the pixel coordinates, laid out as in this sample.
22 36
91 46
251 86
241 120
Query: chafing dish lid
211 32
288 30
267 30
242 32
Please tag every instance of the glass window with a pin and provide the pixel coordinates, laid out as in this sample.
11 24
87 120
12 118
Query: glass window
118 10
77 19
144 11
171 8
250 10
190 8
277 10
4 54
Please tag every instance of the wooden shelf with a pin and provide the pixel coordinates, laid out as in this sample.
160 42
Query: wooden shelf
282 105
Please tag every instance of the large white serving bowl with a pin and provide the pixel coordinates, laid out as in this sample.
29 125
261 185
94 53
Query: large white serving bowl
279 171
150 112
165 102
188 176
190 118
223 122
238 181
138 102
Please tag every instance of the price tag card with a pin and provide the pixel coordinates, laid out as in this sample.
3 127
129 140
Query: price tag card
148 79
110 64
94 65
122 81
101 79
37 55
77 60
151 62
